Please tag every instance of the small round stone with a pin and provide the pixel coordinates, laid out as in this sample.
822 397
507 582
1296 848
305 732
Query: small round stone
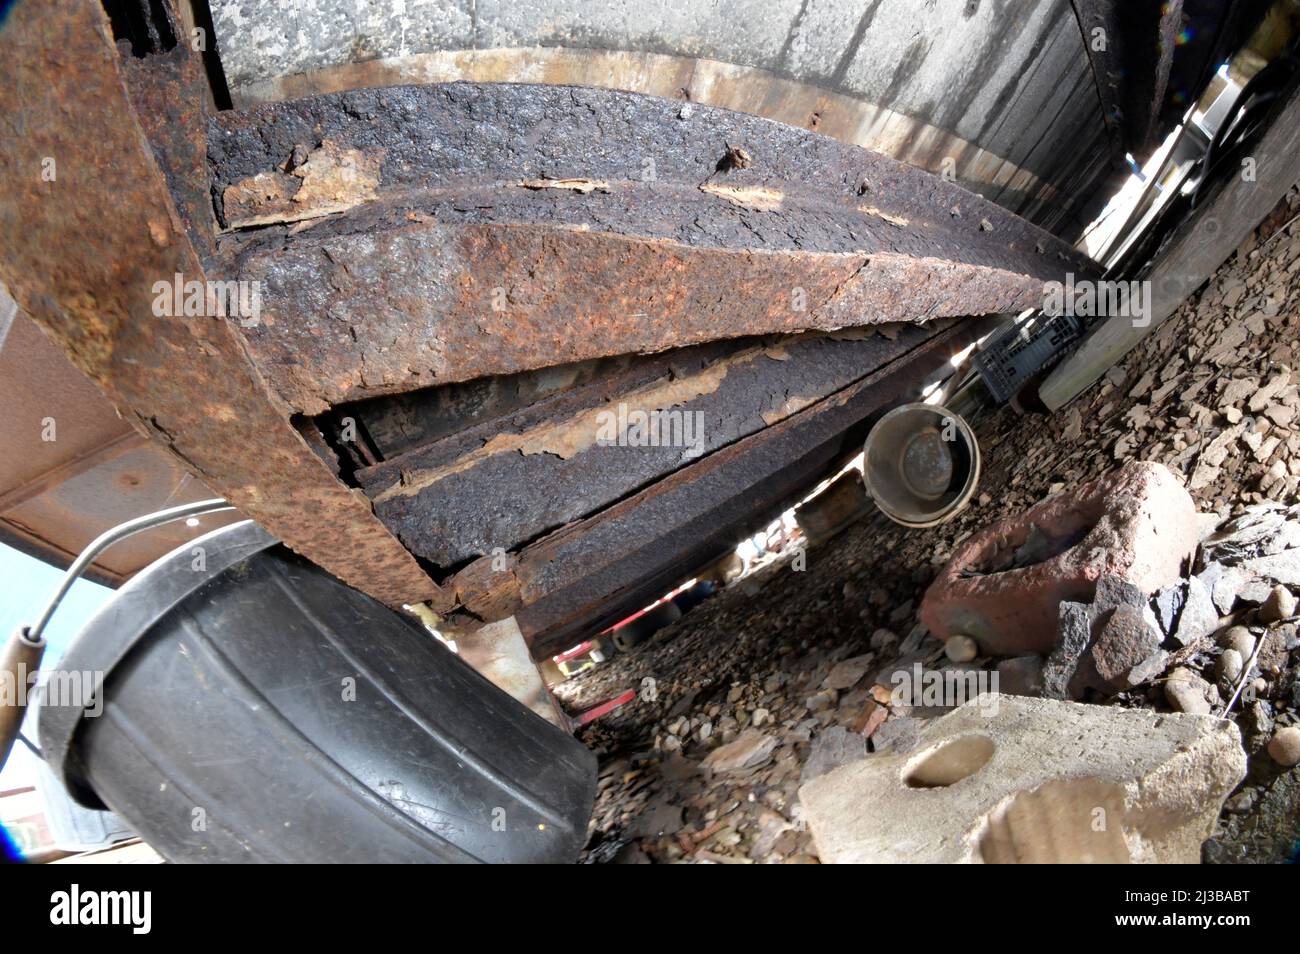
1240 639
1281 604
961 649
1187 692
1285 747
1230 664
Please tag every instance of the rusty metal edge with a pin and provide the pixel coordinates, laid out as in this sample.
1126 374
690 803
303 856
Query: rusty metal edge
81 253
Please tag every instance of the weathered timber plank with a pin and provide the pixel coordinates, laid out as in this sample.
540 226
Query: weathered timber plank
1195 251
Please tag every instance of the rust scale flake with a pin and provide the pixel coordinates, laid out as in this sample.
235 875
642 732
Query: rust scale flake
793 405
580 432
758 198
897 220
582 186
332 179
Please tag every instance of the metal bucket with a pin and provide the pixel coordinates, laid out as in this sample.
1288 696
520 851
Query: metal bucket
921 464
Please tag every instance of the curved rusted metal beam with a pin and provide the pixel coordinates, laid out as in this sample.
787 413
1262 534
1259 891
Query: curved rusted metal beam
413 236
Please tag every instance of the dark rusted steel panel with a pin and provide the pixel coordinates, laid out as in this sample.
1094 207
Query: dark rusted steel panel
1131 45
81 253
507 481
168 92
413 236
401 423
385 312
595 571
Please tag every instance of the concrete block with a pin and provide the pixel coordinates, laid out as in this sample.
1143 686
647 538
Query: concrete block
1016 779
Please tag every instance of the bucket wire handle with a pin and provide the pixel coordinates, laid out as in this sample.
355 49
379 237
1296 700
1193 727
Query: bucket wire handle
21 655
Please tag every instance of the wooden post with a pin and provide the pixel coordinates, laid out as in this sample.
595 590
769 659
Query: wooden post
1199 247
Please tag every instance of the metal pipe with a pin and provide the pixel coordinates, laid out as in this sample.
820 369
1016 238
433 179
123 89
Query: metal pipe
921 464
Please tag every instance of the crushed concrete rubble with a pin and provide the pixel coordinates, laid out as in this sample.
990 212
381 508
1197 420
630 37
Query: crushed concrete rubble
1003 779
811 655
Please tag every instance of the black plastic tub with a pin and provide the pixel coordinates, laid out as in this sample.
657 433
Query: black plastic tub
253 708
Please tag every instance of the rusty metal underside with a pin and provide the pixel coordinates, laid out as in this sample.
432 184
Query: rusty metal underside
473 272
1130 44
81 255
483 229
594 572
1150 57
508 480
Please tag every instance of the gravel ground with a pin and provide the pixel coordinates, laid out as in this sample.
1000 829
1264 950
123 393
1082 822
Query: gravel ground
775 679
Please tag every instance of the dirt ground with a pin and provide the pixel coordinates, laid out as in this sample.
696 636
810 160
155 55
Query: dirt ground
1210 394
